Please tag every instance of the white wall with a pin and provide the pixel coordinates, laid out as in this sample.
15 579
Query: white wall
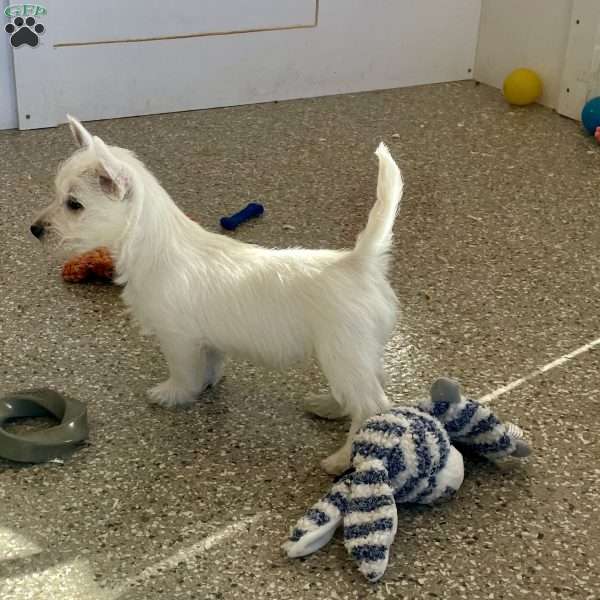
8 103
352 45
524 33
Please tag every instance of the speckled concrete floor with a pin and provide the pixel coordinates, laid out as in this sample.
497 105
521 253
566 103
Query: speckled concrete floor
496 265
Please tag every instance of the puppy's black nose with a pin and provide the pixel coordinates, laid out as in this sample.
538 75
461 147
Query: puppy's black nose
37 230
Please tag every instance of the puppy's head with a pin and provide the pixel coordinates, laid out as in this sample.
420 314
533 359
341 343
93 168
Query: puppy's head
94 187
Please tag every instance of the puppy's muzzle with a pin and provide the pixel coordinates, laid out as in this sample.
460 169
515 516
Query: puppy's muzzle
38 229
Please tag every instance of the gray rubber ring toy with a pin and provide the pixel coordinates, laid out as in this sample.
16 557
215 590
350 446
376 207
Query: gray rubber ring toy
46 444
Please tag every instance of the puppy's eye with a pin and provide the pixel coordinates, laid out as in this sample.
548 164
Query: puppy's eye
74 204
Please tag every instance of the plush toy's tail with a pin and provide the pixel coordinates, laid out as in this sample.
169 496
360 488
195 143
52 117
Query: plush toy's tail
472 425
371 520
319 523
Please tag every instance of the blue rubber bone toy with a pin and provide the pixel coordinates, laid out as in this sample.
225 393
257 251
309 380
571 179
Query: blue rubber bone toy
405 455
254 209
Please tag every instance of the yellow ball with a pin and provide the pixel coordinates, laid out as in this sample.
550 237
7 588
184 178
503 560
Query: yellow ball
522 86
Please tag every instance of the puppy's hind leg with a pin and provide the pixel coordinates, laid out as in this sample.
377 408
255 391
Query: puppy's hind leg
213 367
339 461
326 406
356 385
192 368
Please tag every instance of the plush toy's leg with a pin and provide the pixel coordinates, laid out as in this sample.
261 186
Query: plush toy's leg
448 480
371 523
318 525
477 429
522 448
473 425
187 362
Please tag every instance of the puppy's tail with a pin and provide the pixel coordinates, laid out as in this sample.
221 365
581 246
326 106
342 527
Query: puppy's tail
376 237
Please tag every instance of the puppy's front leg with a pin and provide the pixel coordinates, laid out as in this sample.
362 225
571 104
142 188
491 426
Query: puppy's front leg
192 368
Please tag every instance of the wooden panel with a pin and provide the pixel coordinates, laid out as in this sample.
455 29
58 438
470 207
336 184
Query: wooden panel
116 20
8 101
581 72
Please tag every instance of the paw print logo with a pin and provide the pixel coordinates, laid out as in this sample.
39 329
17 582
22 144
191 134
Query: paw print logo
24 31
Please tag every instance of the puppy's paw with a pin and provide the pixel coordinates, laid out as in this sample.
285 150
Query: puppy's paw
168 395
213 375
337 463
324 406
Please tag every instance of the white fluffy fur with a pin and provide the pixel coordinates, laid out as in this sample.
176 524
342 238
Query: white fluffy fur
206 295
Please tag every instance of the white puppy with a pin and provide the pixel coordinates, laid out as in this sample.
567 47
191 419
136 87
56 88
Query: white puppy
206 295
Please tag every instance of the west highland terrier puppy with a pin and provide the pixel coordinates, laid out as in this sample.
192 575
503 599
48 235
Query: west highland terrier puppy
205 295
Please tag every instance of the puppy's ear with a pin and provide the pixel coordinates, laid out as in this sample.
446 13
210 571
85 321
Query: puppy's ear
81 135
113 174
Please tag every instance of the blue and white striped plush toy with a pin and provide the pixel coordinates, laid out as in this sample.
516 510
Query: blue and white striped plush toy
402 456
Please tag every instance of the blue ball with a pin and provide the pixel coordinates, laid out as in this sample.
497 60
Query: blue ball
590 115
